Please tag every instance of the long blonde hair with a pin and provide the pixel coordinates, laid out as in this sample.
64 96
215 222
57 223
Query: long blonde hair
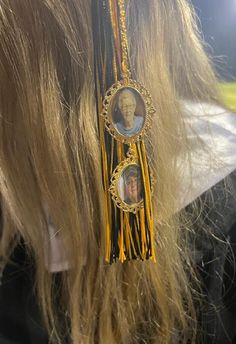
49 154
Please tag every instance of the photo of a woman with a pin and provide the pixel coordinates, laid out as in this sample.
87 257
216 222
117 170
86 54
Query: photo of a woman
129 123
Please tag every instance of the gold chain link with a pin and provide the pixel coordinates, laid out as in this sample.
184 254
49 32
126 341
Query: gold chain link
124 41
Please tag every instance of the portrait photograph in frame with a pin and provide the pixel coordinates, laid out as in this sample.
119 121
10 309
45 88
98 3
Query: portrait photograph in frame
130 185
127 110
127 186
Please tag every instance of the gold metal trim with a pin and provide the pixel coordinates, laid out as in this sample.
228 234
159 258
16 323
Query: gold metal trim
114 186
107 108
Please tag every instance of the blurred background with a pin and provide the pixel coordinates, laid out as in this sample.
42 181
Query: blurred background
217 20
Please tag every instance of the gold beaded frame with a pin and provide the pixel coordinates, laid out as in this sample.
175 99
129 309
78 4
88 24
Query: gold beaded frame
115 186
110 106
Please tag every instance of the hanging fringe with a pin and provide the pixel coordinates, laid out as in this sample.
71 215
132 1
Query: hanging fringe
129 228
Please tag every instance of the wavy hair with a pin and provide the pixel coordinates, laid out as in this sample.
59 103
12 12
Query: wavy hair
49 155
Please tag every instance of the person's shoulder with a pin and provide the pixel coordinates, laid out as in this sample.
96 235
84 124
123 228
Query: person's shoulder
200 115
119 125
211 134
139 119
138 122
213 246
211 131
128 201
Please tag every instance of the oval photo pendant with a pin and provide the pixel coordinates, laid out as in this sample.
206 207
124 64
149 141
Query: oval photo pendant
127 186
127 110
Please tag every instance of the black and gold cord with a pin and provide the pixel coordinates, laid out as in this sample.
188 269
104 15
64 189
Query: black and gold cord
125 112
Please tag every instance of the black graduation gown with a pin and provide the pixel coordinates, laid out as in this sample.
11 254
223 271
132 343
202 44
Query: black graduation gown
19 316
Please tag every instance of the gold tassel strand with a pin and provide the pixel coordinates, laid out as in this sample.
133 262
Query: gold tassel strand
130 223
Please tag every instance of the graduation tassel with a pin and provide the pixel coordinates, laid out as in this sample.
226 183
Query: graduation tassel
125 110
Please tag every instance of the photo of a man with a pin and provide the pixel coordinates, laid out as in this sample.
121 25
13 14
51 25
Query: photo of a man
129 122
132 185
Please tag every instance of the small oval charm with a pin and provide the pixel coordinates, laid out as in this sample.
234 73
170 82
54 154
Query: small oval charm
127 186
127 110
